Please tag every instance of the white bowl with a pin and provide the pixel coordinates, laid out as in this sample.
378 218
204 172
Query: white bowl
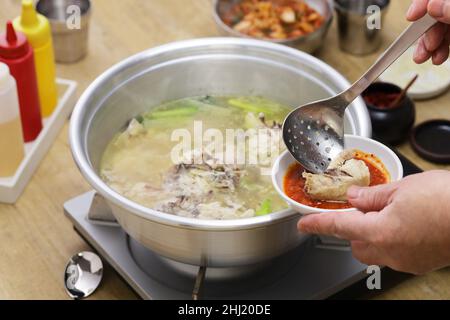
386 155
432 82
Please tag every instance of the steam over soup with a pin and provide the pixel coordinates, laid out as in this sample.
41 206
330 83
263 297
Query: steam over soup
183 158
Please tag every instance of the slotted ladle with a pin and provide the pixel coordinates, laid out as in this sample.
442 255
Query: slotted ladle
314 133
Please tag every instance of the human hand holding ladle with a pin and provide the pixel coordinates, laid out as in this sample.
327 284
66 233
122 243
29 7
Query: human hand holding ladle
314 133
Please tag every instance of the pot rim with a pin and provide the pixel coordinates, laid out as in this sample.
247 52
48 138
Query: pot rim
80 157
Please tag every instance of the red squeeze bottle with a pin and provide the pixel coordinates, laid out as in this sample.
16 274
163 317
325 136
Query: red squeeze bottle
18 55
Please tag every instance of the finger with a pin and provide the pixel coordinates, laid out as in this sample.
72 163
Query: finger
367 253
440 10
345 225
421 54
371 198
434 37
441 54
417 10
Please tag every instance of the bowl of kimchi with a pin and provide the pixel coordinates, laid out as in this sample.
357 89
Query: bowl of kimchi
302 24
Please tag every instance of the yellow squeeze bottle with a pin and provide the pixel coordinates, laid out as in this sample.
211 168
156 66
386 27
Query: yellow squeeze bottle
37 29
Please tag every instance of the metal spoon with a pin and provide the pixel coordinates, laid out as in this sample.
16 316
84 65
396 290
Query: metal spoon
314 133
83 275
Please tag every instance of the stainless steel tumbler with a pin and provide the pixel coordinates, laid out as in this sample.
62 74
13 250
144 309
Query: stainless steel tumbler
359 24
69 20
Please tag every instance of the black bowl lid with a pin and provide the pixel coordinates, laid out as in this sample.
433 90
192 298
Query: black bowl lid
431 140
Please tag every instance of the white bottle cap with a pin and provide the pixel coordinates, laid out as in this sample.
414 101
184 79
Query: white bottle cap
4 75
9 104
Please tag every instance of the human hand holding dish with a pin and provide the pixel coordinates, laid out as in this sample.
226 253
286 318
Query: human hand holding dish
403 225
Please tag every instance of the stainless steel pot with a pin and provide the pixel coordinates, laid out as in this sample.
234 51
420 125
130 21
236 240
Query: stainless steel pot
216 66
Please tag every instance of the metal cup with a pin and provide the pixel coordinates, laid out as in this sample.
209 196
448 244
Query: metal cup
69 20
359 32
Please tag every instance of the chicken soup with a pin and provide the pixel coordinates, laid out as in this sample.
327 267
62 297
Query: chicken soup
139 162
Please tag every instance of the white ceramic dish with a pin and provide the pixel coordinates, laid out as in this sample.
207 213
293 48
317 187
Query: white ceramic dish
386 155
432 82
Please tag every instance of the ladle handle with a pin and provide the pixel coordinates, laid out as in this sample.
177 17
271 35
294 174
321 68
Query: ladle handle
400 45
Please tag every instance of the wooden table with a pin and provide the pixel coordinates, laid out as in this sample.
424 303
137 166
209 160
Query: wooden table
36 239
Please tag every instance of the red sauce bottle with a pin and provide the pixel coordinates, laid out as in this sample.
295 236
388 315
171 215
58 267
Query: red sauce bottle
16 52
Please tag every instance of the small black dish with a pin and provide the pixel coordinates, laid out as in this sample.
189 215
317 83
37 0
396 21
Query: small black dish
390 125
431 140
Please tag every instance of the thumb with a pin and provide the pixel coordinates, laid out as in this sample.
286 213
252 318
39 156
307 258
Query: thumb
371 198
345 225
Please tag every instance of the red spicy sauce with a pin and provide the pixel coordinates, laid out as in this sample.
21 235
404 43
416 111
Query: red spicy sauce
294 183
382 100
